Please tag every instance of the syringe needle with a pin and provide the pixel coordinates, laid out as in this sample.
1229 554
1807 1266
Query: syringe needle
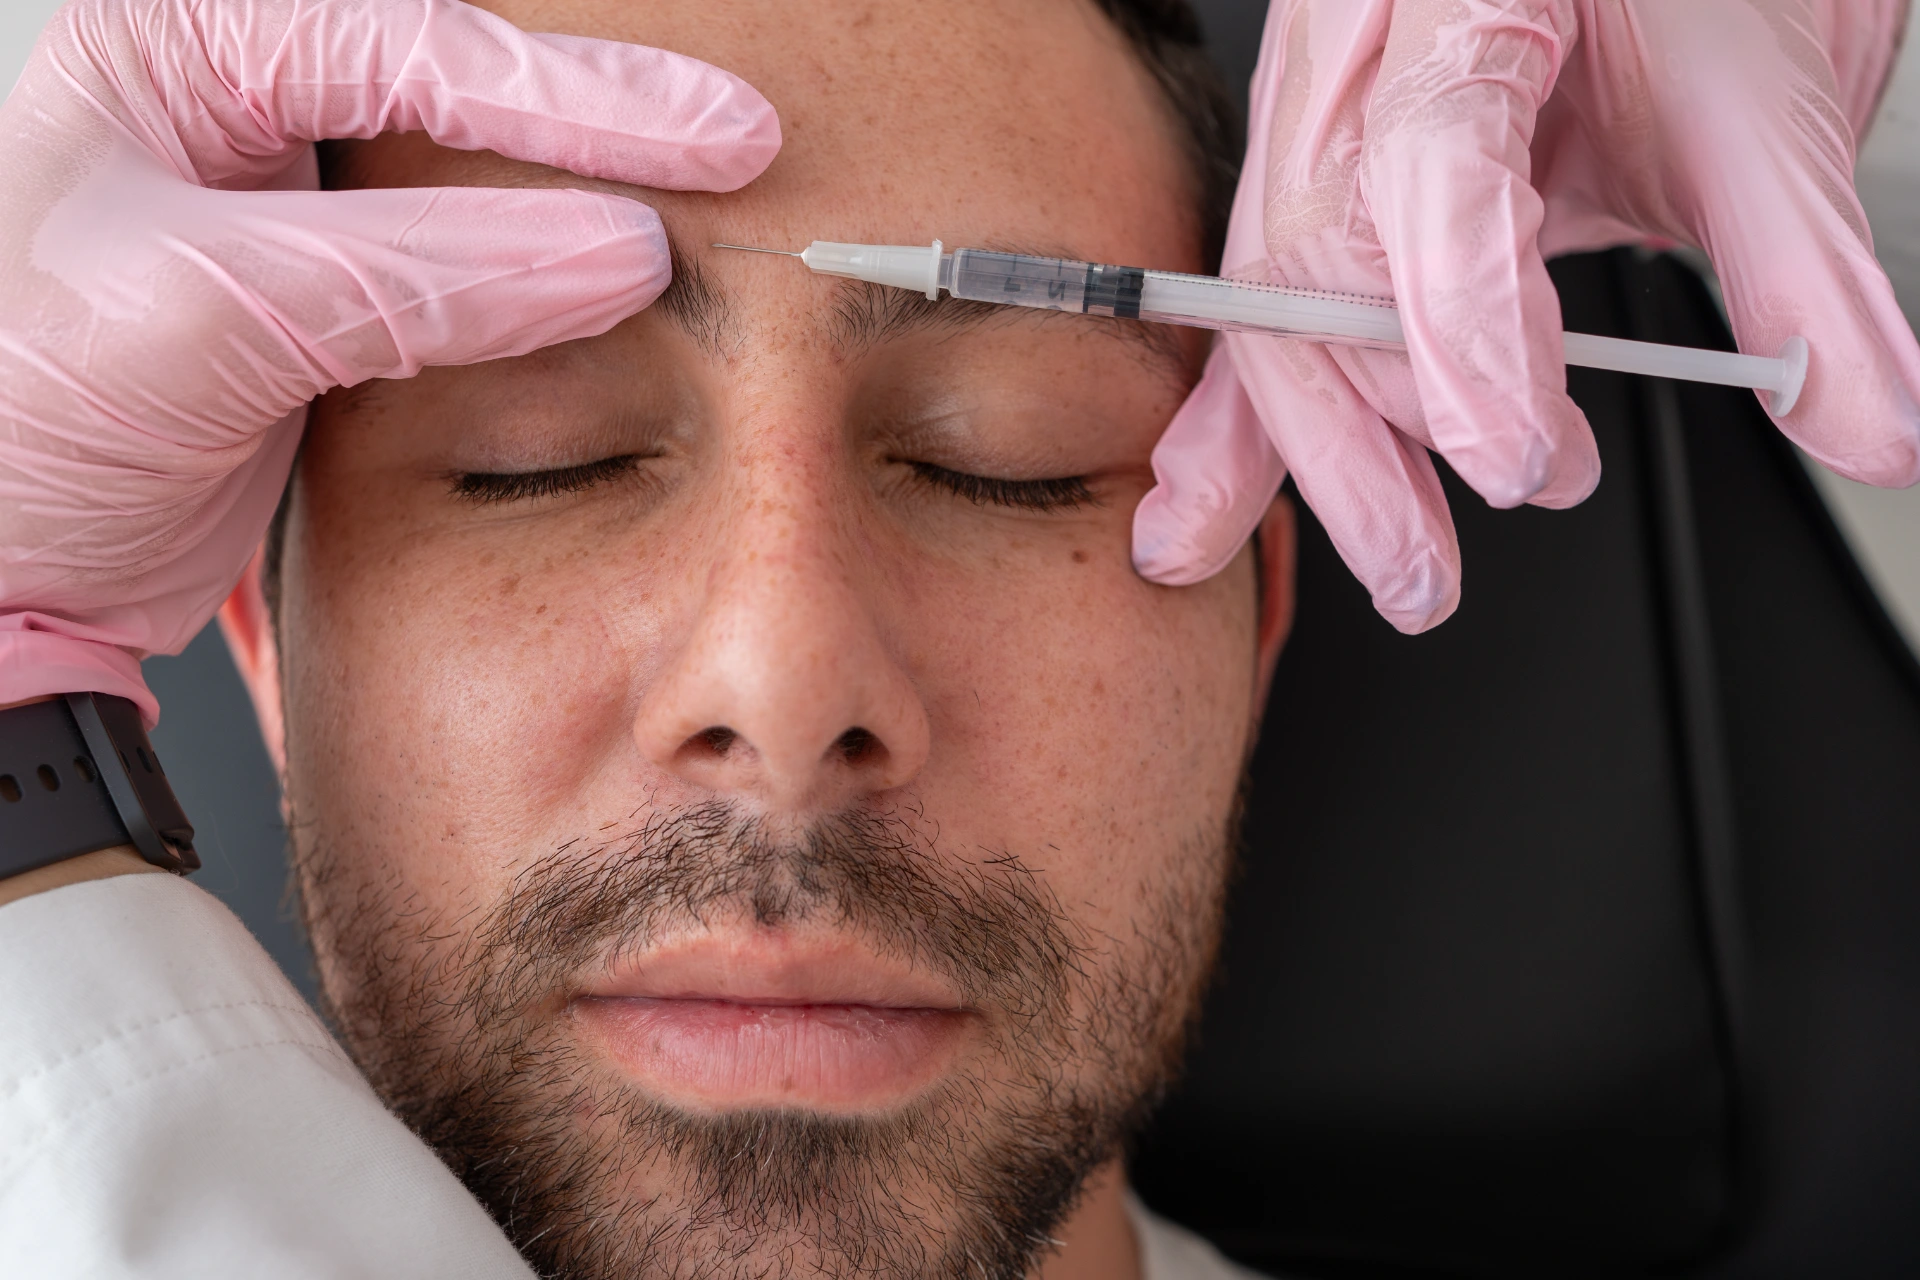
747 248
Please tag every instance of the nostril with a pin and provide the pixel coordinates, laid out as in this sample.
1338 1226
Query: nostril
858 746
717 740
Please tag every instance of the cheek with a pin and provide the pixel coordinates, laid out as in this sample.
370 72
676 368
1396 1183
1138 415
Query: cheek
456 712
1090 723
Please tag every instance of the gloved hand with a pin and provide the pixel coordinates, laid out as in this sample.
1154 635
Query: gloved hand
1435 150
173 289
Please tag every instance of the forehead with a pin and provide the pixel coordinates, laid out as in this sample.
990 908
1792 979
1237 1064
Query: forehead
1013 122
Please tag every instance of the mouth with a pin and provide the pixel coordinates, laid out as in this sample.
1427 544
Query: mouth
770 1022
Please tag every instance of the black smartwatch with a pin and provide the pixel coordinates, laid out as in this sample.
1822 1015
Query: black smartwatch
78 774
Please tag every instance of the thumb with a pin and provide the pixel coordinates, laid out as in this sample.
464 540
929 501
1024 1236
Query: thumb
1859 412
1767 174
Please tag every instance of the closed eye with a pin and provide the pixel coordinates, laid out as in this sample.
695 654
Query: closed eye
1024 495
485 488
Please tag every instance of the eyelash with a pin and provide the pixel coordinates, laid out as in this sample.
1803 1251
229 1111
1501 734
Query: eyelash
487 489
1024 495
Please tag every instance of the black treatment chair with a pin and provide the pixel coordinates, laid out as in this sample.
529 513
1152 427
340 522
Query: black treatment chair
1581 937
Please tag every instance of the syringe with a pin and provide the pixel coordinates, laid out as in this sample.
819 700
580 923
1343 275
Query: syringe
1207 302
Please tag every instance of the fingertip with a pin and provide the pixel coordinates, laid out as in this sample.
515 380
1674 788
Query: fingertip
1546 458
1864 433
728 135
1188 529
716 132
1424 593
1217 473
1857 414
652 249
629 243
1893 465
750 143
1417 621
1173 550
1574 468
466 274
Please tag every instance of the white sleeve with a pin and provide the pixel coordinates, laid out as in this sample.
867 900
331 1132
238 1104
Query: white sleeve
1888 175
169 1106
1171 1252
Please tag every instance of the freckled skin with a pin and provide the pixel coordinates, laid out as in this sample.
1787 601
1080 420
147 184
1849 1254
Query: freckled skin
467 687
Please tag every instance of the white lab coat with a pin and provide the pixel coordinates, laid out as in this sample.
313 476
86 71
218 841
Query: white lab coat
169 1106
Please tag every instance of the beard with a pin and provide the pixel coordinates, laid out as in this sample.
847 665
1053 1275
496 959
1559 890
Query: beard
460 1023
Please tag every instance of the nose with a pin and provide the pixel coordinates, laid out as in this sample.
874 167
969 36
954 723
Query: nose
786 689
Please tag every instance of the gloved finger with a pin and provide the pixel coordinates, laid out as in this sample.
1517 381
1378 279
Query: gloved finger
1446 175
1382 502
1216 475
1859 410
106 534
1856 35
1374 491
244 85
306 291
311 290
1316 231
447 276
38 657
1385 380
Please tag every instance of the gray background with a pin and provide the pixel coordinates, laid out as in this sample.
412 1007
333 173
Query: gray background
220 769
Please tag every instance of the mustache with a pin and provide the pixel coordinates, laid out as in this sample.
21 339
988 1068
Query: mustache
990 925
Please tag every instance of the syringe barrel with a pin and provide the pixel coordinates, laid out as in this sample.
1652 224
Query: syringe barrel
1246 307
1130 293
1051 284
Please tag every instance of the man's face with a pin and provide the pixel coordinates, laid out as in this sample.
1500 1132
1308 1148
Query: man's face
750 815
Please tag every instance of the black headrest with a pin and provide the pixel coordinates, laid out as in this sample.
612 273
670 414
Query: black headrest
1581 935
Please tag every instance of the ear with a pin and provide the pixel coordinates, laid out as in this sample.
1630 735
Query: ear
247 624
1276 565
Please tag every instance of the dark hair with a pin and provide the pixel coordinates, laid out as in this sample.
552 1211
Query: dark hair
1166 36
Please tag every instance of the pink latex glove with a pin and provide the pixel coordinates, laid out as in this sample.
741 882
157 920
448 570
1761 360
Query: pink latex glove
1435 150
173 290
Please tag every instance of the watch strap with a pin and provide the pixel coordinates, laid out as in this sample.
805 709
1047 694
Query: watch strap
79 774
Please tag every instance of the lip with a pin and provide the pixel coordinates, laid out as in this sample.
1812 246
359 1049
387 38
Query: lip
773 1022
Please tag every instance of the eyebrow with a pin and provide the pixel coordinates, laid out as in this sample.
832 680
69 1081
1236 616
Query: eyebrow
698 306
863 315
